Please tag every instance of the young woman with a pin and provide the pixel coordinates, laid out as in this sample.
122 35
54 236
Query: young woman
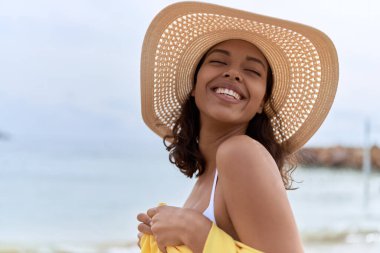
235 94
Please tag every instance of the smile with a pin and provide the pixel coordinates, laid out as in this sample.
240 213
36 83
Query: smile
228 92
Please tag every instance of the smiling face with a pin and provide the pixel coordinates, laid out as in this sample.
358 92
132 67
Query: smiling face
231 82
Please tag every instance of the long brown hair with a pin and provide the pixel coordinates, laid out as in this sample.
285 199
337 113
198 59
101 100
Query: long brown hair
184 151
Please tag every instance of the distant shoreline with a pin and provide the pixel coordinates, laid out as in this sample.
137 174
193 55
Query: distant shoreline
337 157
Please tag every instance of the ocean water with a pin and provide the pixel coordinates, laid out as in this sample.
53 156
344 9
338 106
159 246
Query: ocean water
85 192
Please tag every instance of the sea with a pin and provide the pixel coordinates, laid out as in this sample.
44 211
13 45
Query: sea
84 196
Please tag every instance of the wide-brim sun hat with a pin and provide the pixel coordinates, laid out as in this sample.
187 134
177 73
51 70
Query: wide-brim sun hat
303 60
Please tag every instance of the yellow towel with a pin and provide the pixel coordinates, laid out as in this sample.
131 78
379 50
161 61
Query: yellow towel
217 241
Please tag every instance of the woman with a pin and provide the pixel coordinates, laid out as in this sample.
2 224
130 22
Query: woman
235 94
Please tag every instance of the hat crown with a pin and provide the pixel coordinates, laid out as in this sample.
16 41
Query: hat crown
303 61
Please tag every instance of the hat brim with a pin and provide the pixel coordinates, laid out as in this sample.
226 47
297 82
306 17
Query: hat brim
303 60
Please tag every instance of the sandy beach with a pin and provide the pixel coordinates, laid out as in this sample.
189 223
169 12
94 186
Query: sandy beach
129 247
310 247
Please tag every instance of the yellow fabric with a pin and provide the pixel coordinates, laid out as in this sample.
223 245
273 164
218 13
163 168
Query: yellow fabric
217 241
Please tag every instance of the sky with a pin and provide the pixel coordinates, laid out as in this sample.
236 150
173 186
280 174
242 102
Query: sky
70 69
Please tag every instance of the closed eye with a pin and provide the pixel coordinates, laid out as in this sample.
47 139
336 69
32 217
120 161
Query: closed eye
253 72
218 62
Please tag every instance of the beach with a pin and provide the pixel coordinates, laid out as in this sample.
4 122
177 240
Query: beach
120 248
78 163
57 198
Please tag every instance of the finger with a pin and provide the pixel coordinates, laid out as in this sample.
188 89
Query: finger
151 212
162 248
143 218
139 235
143 228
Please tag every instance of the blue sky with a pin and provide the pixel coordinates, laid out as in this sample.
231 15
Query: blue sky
70 69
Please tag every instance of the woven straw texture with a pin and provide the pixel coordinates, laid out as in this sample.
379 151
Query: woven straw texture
303 61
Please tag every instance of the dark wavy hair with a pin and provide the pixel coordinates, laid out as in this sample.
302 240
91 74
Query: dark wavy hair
184 151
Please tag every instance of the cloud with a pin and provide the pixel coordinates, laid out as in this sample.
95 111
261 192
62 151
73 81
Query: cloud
85 55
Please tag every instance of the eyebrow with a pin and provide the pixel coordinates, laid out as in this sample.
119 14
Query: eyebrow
249 58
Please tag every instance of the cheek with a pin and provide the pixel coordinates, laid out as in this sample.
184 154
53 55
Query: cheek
258 92
207 73
262 94
197 96
200 86
196 91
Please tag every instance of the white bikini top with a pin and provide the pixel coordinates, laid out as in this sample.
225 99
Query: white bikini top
209 212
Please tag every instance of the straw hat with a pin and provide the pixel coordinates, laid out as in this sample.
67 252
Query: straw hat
303 61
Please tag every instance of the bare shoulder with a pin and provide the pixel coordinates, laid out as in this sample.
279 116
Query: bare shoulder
240 143
243 153
255 196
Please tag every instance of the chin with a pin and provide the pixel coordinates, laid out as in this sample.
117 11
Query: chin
227 118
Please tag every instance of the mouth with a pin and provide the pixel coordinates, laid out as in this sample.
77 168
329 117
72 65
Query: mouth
228 92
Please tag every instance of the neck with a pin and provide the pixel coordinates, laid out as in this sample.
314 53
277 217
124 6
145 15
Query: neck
212 134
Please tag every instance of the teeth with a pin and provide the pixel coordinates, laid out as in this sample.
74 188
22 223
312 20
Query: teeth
228 92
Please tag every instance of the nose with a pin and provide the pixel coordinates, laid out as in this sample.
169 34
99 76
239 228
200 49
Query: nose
233 75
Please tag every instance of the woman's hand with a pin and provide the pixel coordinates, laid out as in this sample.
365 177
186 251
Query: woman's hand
144 227
168 225
174 226
165 223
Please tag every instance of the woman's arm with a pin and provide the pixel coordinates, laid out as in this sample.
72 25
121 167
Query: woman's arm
255 196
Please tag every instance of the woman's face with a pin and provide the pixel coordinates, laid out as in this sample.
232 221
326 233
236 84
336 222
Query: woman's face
231 82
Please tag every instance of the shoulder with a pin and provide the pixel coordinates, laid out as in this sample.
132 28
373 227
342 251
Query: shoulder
240 143
255 196
245 155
